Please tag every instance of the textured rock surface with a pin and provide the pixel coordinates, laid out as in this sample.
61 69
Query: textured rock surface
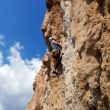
83 29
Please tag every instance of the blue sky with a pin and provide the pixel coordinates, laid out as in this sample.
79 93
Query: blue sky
21 48
20 20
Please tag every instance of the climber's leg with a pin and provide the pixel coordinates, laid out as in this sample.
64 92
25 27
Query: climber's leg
54 65
58 58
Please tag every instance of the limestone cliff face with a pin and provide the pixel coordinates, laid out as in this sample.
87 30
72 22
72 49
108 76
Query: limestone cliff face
83 29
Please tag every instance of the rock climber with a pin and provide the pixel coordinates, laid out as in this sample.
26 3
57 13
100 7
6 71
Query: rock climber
56 54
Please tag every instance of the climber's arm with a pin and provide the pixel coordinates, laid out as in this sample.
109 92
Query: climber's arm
58 44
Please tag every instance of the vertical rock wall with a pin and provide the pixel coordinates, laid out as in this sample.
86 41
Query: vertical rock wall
83 29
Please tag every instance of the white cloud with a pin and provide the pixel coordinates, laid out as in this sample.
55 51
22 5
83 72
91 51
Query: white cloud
16 79
1 107
2 38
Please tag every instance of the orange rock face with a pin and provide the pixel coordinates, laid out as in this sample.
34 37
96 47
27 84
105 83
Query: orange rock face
83 29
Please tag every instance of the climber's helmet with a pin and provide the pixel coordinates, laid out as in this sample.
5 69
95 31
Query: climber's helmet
50 39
